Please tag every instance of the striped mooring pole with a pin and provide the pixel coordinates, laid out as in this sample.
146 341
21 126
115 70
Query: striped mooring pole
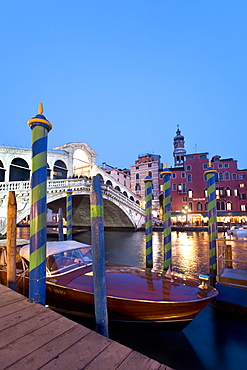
60 225
37 276
166 175
98 254
69 213
148 221
212 221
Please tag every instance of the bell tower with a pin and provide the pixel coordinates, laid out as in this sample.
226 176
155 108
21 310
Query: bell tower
179 151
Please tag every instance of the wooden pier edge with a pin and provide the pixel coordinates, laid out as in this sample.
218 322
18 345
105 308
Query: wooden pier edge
35 337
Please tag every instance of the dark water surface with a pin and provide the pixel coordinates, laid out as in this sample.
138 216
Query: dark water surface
214 340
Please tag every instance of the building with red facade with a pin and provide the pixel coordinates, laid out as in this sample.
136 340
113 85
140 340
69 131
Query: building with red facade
189 185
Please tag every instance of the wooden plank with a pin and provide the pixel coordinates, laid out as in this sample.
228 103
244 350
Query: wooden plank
81 354
11 308
52 349
18 349
111 357
24 314
18 331
9 297
138 361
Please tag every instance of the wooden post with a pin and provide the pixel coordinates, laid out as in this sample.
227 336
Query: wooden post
37 276
11 240
60 225
98 253
69 213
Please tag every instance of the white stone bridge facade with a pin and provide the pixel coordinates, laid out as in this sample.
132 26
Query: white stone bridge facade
76 162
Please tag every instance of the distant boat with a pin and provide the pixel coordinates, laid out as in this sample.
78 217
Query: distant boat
237 231
133 294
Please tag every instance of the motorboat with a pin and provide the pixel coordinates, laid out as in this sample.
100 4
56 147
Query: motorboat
134 294
238 231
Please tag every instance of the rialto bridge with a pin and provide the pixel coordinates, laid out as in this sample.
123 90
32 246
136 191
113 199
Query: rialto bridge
71 165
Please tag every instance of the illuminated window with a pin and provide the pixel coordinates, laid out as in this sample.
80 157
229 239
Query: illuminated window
190 193
242 207
229 206
228 192
205 192
241 185
236 192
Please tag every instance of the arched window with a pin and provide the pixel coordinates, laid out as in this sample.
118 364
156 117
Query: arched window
48 172
190 193
137 176
220 176
117 188
206 206
124 193
138 187
150 174
19 170
228 192
2 172
228 206
222 206
227 175
218 206
199 206
60 170
189 177
205 192
190 205
108 182
131 198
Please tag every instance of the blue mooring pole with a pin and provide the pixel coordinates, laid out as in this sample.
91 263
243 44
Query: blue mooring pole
60 225
37 276
166 174
148 221
98 253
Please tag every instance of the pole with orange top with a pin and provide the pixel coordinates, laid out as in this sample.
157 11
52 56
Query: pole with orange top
37 277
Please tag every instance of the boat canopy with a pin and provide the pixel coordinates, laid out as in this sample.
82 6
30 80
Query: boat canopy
55 247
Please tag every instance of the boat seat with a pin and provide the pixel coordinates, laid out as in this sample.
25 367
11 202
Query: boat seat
51 263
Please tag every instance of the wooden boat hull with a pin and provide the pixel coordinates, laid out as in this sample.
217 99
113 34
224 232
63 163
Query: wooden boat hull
133 295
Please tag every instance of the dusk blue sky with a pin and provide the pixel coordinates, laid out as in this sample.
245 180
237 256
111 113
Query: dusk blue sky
120 75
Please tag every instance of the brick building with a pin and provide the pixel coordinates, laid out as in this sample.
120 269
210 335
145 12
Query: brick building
189 185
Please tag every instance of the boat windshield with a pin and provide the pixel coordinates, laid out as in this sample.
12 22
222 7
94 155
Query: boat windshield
66 261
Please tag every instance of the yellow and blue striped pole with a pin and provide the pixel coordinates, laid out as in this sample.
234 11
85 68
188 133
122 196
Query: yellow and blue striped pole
166 174
212 221
98 254
148 220
37 277
69 213
60 225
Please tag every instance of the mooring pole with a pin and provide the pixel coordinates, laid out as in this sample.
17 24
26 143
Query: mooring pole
37 276
212 222
69 213
166 174
98 253
11 240
148 221
60 225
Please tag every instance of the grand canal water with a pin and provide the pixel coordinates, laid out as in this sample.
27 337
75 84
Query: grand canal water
215 339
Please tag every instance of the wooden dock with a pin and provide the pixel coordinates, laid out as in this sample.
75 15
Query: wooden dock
35 337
